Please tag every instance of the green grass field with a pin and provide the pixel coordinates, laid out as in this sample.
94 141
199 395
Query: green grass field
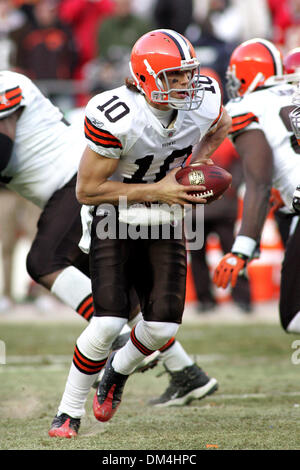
256 407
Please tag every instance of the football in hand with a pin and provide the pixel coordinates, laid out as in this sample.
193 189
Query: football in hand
216 180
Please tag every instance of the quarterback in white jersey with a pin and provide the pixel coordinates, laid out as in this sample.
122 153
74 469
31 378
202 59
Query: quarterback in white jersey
137 136
40 154
120 124
46 151
263 137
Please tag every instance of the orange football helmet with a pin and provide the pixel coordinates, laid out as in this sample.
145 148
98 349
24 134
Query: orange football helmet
251 64
154 55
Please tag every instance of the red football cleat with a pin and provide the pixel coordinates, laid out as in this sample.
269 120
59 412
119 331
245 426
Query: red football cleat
109 393
64 426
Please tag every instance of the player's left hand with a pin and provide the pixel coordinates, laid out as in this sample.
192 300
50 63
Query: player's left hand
228 269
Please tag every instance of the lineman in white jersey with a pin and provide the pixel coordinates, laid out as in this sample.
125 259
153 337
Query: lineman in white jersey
46 151
263 136
135 136
40 154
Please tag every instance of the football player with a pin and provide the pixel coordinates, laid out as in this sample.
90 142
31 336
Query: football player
40 154
137 136
263 136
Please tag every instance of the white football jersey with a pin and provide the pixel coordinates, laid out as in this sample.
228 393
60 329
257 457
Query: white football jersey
119 124
46 151
267 109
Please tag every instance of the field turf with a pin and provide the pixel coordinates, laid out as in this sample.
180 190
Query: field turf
257 406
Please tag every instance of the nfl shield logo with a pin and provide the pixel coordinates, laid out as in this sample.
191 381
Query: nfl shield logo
3 99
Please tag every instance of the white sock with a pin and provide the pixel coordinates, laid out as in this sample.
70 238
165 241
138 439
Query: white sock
92 349
147 337
175 358
74 289
76 392
131 323
134 321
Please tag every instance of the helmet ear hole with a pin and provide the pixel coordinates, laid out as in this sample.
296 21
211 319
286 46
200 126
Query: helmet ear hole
143 78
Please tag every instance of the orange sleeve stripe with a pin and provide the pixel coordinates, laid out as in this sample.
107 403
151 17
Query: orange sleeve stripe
242 121
13 92
102 141
10 104
97 131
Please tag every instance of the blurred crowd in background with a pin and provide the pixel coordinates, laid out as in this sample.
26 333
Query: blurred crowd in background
73 49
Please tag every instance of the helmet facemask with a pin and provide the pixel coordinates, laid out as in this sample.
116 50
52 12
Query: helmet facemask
161 94
194 92
234 86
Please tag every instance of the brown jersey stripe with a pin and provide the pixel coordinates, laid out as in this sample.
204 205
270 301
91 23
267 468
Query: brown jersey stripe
102 141
139 345
167 345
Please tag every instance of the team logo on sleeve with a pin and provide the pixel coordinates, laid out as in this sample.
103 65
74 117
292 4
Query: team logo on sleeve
3 99
100 137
